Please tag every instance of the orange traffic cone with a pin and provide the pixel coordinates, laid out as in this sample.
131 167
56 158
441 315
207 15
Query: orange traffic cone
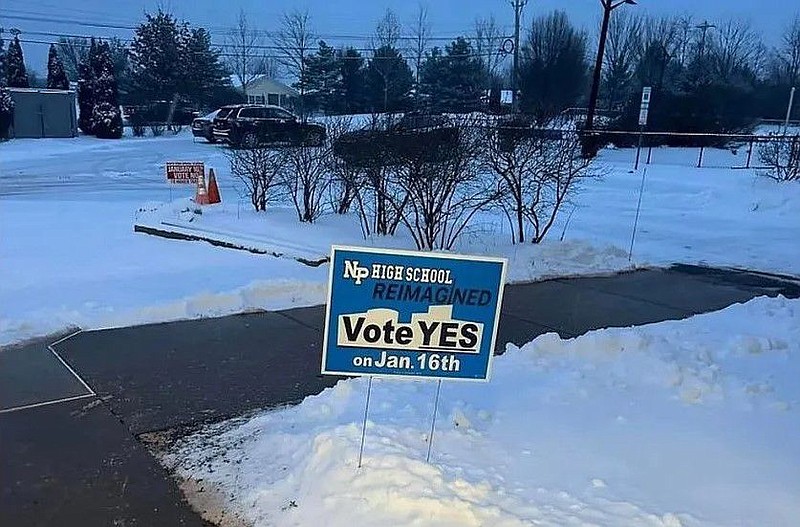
201 197
213 189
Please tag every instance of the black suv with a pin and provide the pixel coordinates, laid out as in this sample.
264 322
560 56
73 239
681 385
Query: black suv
248 125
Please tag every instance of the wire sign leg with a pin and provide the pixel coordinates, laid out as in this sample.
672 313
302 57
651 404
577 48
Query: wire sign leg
364 426
433 421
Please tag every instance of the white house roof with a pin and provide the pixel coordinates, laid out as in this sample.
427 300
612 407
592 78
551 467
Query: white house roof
267 85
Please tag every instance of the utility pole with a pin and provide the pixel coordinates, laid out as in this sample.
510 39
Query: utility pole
608 6
705 26
517 5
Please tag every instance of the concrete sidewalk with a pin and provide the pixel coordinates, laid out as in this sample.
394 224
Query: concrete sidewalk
79 461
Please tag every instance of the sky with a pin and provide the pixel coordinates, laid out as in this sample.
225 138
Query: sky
352 18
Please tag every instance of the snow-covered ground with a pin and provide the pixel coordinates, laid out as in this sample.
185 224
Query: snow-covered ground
673 424
69 256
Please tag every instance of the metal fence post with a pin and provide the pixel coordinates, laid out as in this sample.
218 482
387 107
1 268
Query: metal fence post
749 154
700 158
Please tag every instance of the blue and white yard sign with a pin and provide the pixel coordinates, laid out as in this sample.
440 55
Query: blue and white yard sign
411 314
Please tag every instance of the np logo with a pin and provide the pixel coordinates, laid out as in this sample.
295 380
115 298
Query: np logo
355 272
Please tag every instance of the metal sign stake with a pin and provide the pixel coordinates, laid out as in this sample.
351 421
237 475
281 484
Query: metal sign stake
364 426
433 421
636 221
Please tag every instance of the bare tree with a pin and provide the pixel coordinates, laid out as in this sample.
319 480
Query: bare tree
259 170
487 41
735 46
623 49
388 30
553 65
781 156
788 54
294 41
245 56
420 35
682 39
663 40
537 175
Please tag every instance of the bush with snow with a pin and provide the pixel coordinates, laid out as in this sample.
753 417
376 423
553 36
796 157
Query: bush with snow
6 112
781 156
107 121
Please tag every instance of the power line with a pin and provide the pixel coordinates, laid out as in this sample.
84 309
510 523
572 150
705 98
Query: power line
278 57
66 21
216 29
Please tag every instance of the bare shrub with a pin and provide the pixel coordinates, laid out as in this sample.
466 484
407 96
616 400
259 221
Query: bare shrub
157 129
314 173
341 189
441 190
538 171
176 129
367 170
259 170
781 156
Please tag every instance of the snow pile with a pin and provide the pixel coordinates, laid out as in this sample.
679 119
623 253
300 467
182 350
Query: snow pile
673 424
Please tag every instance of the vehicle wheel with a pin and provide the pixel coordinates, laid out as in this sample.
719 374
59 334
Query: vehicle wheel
249 140
211 139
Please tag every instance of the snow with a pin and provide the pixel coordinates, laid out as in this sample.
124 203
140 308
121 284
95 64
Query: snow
712 216
684 423
69 256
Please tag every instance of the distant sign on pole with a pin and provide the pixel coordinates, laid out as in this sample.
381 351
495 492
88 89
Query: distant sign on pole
645 107
506 96
184 172
411 314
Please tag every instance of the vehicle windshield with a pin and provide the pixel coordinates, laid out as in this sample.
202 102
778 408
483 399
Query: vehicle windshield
222 113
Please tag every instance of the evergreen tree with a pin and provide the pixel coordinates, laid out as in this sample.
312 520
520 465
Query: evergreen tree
56 76
171 61
389 80
454 80
106 115
86 78
205 74
85 100
158 57
353 78
15 66
74 50
323 80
